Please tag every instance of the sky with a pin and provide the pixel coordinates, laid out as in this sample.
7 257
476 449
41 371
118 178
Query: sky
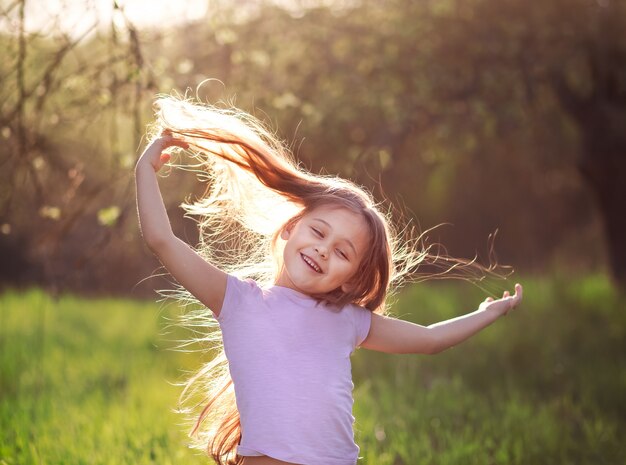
76 16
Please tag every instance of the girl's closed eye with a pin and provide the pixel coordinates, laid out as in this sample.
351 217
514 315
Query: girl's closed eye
317 232
341 254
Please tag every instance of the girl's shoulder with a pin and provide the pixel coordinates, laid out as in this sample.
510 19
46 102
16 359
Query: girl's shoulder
239 285
361 319
238 291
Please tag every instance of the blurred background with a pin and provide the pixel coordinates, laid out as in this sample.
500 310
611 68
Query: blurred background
484 115
489 116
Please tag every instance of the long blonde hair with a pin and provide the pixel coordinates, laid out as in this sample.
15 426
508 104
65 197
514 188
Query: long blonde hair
255 190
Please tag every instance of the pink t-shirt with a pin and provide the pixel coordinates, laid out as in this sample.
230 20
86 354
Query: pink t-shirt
289 358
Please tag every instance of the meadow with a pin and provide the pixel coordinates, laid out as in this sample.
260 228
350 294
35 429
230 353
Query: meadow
89 381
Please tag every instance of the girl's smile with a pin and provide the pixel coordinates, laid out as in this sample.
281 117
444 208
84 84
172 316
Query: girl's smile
309 261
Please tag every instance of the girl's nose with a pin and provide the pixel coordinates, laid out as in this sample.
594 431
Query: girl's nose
320 249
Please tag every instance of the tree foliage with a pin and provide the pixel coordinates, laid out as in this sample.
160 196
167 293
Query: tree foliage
466 112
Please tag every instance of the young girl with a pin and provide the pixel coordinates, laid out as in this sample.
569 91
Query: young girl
295 268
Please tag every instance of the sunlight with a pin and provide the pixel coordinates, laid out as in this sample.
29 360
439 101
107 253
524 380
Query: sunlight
77 16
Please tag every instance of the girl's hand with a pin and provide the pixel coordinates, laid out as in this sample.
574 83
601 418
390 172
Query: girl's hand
154 155
505 304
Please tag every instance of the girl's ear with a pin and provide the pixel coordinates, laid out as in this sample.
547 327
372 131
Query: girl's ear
286 232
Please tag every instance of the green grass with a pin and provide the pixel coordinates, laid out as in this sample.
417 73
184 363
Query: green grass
88 381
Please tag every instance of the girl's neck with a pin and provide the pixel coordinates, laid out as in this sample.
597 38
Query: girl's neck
292 290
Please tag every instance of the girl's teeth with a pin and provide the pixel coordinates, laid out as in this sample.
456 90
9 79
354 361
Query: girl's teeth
310 263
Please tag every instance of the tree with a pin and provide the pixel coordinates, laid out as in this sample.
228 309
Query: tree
67 100
433 102
440 98
591 88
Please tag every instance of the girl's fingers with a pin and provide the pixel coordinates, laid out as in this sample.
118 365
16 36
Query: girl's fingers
172 141
509 301
517 298
163 159
167 139
518 295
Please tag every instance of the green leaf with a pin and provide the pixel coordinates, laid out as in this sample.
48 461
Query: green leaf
108 216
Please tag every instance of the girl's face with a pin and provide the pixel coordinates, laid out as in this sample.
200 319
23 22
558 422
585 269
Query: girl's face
323 250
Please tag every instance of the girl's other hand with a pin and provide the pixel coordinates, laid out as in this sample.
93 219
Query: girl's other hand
154 155
505 304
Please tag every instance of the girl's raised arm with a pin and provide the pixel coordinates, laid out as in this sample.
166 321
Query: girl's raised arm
396 336
206 282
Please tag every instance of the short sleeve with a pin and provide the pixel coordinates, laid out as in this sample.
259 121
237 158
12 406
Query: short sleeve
362 323
237 291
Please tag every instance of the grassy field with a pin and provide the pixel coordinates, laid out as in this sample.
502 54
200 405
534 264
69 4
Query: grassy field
88 382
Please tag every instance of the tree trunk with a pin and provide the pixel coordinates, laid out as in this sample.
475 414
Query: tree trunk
601 119
603 166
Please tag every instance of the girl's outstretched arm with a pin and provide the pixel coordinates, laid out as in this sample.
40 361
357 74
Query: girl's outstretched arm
392 335
206 282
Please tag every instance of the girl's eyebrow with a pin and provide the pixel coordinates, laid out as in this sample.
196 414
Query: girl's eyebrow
330 227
